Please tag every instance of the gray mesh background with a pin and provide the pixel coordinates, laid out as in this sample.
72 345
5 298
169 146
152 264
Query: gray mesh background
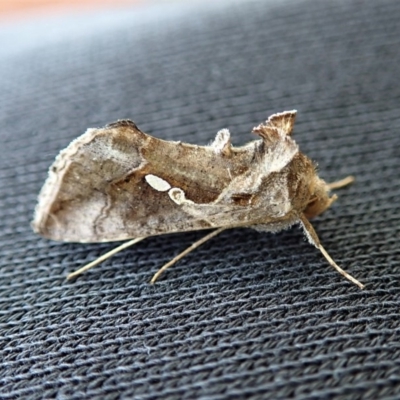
248 315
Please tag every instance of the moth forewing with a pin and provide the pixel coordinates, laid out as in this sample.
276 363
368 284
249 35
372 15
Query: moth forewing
117 183
97 188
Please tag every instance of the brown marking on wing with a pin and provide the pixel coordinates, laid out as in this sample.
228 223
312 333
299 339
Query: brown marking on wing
96 189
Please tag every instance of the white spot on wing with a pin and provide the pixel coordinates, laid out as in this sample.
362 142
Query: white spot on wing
177 195
157 183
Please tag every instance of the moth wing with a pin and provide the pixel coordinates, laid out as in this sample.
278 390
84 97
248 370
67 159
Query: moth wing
100 188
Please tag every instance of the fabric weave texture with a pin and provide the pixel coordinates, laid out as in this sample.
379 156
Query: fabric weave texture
249 314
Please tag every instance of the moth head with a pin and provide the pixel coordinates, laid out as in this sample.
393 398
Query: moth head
320 199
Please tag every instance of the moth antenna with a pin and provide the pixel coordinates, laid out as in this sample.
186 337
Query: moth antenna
104 257
185 252
313 239
342 183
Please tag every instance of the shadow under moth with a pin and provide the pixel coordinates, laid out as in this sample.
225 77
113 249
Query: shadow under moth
118 183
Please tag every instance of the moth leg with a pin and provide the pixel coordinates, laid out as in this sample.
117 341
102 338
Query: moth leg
185 252
104 257
342 183
313 239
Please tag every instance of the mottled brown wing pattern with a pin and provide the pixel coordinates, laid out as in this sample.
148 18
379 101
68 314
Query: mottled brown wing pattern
97 191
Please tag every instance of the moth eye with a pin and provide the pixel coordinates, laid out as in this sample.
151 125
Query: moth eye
312 202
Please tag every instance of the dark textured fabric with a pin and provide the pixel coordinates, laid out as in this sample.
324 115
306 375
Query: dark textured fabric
248 315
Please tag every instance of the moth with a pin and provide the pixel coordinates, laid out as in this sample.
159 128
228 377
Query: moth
117 183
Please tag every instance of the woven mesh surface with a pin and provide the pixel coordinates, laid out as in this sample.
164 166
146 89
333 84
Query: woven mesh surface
248 315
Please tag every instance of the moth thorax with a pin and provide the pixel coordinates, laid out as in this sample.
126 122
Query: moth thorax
319 199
